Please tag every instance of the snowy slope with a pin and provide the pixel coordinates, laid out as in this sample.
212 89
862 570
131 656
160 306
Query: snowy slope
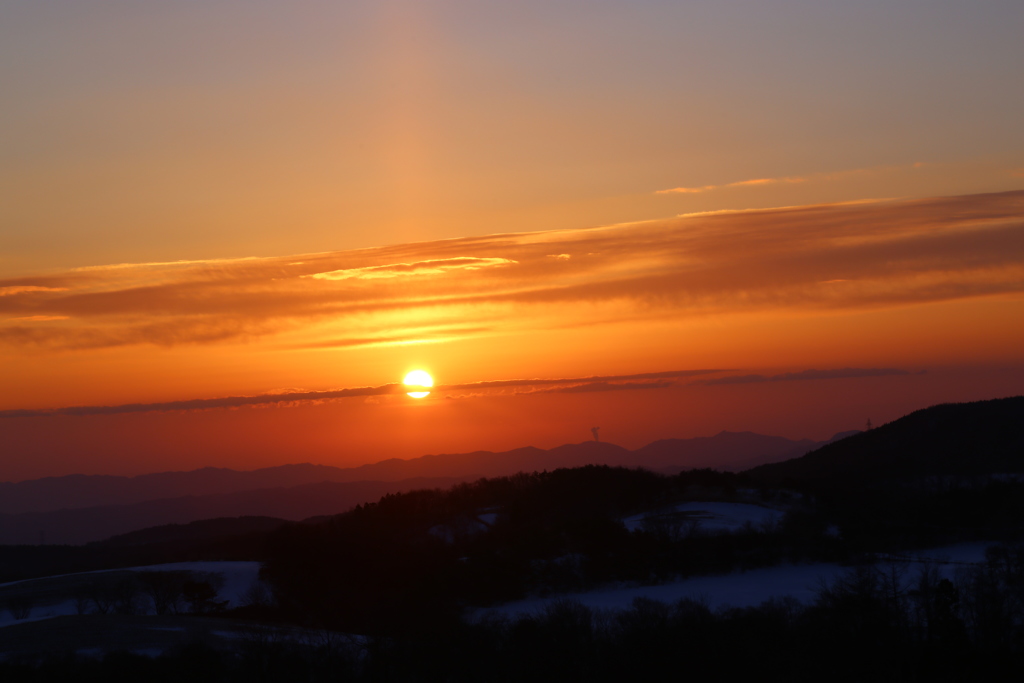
745 589
714 516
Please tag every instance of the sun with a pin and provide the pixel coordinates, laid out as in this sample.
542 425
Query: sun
418 378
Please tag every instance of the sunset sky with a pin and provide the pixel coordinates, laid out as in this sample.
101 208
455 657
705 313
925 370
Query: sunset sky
229 229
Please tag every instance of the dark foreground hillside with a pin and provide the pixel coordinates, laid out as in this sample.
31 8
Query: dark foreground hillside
399 590
949 440
867 626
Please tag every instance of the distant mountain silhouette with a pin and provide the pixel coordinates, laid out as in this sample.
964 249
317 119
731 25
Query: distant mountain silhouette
85 525
740 450
81 509
953 439
80 490
966 439
727 450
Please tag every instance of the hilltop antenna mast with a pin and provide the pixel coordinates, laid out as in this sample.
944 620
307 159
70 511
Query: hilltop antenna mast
593 430
868 425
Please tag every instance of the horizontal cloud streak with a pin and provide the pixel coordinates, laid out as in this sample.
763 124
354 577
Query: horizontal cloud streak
608 386
566 385
843 373
570 384
741 183
12 290
429 267
501 383
209 403
810 258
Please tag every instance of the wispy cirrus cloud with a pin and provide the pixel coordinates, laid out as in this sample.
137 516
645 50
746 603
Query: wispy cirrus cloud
742 183
809 258
13 290
428 267
423 336
789 180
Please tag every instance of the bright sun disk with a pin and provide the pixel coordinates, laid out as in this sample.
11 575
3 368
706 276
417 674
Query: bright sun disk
418 378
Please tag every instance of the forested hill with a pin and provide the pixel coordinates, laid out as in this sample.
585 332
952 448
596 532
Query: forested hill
952 439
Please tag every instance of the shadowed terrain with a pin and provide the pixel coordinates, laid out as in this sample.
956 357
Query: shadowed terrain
81 509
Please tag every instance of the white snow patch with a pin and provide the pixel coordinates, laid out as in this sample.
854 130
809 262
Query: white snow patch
747 589
714 516
38 613
462 528
961 553
228 635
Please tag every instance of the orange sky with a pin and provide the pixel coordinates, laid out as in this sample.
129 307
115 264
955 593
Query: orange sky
829 314
787 217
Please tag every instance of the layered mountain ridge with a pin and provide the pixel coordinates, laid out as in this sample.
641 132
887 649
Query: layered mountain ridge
80 509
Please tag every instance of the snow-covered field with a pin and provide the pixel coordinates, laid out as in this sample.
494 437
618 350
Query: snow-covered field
737 590
39 613
238 578
713 516
743 589
946 556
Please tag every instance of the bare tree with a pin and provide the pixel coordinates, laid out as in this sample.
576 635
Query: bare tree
126 596
201 592
82 600
258 595
103 598
165 590
20 606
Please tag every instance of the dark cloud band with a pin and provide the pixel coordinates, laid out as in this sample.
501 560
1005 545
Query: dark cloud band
303 396
843 373
568 385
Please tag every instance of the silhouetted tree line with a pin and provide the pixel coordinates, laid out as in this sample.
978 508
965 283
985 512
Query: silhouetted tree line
154 592
877 623
132 593
899 516
417 559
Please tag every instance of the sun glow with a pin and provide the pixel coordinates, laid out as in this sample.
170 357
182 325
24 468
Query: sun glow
418 379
